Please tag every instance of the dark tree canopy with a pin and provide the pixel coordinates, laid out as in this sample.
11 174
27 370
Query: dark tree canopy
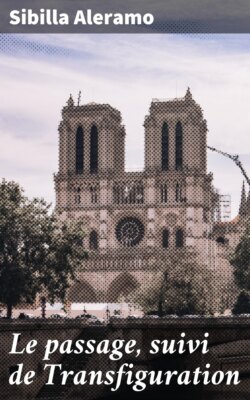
37 252
183 287
242 305
241 261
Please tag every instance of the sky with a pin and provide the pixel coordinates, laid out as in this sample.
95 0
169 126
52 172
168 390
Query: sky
38 72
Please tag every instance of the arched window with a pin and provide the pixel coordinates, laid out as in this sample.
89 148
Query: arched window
178 146
79 150
179 189
221 240
93 150
177 192
179 238
165 238
164 147
93 194
164 193
93 240
78 196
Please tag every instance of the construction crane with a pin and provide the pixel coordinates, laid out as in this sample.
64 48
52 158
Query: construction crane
235 159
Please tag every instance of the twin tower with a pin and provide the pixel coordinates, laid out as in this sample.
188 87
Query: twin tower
92 138
134 219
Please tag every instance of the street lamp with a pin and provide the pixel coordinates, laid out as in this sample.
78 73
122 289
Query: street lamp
43 306
84 311
107 313
162 289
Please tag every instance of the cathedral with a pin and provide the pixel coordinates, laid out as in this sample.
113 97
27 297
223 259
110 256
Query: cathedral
134 220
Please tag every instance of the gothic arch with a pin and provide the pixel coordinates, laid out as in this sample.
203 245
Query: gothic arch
121 286
165 238
78 195
82 292
178 146
79 150
177 192
94 150
93 240
179 238
222 240
164 147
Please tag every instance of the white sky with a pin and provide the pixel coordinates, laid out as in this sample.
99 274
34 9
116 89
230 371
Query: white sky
37 73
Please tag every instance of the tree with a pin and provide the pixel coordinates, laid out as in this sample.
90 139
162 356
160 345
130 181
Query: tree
242 305
241 261
182 286
38 253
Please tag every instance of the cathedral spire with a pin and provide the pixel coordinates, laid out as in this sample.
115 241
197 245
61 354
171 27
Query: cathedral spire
248 204
243 201
70 102
188 95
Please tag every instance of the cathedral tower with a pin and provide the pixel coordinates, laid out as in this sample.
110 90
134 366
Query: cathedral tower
91 138
134 220
175 136
91 147
176 159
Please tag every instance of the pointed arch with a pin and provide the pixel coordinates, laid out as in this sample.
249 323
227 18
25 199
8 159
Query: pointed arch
94 150
79 150
121 286
82 292
93 240
221 240
178 192
178 146
164 193
179 238
93 194
165 238
164 147
78 195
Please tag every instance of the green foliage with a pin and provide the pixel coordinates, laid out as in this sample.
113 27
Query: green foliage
37 251
242 305
241 261
185 287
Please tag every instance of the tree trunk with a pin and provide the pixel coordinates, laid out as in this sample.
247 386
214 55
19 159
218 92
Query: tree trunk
9 310
160 308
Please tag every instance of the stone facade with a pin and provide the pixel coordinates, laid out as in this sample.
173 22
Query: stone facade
134 220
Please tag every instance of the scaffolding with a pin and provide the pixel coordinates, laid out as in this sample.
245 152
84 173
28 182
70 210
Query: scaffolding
222 211
225 207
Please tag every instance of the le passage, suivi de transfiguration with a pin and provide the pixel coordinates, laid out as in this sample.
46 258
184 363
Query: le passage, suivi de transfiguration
126 373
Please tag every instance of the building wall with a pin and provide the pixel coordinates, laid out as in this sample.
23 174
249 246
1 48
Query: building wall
172 199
